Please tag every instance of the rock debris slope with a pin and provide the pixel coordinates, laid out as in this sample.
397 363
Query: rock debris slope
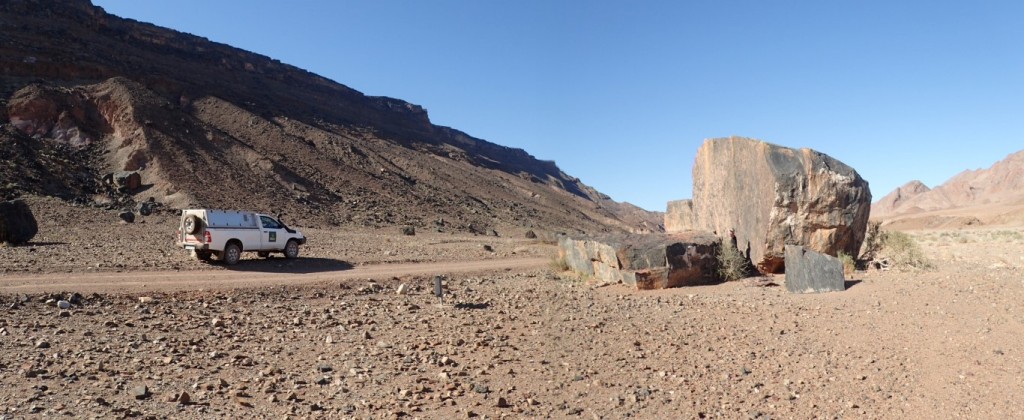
86 93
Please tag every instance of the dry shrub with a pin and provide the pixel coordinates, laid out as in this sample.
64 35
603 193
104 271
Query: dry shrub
849 264
732 265
903 252
872 241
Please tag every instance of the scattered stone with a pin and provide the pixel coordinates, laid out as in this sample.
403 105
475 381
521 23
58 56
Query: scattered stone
128 181
63 304
41 344
323 367
502 403
403 289
140 392
481 389
217 323
531 234
145 299
408 230
184 398
488 248
127 216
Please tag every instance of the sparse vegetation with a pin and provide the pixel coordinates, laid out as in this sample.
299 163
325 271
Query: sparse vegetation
872 241
731 263
899 248
849 264
903 251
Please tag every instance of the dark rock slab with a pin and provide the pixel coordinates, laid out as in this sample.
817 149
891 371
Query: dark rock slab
812 272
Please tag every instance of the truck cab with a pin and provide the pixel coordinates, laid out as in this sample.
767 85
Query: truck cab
225 234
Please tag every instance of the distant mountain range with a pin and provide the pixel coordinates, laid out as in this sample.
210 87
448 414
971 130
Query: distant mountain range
994 195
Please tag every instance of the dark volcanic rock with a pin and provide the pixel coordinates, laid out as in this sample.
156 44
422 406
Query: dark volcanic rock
129 181
17 224
810 272
773 196
645 261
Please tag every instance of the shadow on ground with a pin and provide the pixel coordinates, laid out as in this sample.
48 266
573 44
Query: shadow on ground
851 283
299 265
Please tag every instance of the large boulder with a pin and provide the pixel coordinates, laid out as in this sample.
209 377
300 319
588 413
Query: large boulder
17 224
810 272
653 261
773 196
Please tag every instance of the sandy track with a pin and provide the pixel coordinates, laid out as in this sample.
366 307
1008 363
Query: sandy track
230 279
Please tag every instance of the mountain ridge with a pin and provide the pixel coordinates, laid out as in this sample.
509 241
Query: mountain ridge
973 196
143 96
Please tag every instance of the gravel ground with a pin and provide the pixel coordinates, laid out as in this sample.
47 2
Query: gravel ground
944 343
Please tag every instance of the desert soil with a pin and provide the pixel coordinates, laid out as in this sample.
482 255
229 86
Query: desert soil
328 336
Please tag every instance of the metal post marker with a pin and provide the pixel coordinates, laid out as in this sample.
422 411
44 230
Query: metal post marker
438 291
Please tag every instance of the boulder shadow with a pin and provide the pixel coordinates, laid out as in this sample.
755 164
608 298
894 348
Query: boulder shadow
30 243
472 305
301 265
850 283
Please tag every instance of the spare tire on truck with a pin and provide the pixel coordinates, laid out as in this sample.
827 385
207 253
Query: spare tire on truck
192 224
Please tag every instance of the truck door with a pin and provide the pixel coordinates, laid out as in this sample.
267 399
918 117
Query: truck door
272 234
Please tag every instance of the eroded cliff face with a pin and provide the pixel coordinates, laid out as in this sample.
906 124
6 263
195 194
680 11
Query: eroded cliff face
773 196
86 93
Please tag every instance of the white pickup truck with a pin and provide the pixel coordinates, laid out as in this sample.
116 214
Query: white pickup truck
225 234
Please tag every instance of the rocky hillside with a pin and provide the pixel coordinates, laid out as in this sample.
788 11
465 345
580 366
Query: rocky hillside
990 195
86 94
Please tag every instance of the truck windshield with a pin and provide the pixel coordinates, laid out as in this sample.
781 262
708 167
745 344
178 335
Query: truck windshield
269 223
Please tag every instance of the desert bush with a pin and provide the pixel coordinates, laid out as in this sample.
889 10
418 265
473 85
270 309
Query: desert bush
903 252
872 241
732 264
849 264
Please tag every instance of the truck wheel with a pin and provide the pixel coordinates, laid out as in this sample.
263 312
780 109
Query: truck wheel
232 253
202 255
291 250
263 254
191 224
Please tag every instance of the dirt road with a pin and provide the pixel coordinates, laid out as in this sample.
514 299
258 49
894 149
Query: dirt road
248 275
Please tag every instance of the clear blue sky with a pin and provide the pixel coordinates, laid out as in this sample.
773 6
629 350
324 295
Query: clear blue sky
622 93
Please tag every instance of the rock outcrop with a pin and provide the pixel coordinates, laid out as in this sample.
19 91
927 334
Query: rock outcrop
86 93
810 272
17 224
775 196
647 262
679 216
